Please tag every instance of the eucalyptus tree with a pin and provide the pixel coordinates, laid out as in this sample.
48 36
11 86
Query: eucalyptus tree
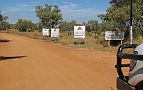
3 21
50 15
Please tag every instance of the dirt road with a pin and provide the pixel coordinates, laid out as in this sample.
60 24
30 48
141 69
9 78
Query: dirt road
29 64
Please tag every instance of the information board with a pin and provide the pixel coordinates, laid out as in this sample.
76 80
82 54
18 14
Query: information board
45 32
114 35
79 31
54 32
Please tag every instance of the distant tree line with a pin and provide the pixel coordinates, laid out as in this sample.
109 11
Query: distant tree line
24 25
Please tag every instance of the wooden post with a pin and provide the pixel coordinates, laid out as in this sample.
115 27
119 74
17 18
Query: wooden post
84 41
121 42
108 43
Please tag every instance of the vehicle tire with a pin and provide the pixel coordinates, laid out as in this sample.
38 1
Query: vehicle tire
139 86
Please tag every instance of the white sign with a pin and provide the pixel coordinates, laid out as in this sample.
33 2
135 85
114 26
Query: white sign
45 32
79 31
54 32
114 35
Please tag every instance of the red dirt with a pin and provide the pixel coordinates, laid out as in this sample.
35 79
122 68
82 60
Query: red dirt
54 67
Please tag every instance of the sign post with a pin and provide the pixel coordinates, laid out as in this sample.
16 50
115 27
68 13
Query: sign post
121 42
131 23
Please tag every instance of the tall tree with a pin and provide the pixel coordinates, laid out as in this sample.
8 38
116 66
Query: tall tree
50 15
3 21
92 26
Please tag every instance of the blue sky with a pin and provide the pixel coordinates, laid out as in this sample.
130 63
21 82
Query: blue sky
80 10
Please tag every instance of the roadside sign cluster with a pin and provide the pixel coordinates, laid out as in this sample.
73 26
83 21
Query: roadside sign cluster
54 32
79 32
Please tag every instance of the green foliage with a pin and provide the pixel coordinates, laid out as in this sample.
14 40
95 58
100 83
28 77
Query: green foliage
13 26
50 15
39 26
25 25
3 22
118 16
92 25
65 26
68 26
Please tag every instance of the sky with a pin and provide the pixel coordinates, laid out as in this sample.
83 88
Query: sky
79 10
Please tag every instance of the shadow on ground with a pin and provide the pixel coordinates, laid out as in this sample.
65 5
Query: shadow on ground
4 40
10 57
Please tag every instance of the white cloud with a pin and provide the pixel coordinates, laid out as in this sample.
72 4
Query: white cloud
24 7
74 11
68 6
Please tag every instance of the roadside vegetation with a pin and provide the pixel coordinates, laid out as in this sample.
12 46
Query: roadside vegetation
3 22
117 18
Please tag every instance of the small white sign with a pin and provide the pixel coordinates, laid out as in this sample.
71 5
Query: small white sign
54 32
114 35
45 32
79 31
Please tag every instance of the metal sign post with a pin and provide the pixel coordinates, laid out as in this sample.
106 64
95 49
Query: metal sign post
131 23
